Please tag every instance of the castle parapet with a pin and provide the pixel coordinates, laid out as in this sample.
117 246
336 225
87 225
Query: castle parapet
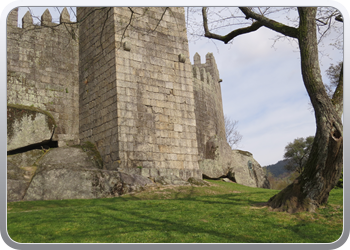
12 18
27 20
209 65
196 73
206 72
197 59
46 19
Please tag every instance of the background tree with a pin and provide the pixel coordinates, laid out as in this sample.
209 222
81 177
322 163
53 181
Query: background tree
324 165
333 73
233 137
297 153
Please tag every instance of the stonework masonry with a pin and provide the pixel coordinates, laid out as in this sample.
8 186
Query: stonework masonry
208 103
42 70
136 92
122 80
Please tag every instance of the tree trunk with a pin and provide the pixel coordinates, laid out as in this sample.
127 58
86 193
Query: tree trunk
325 163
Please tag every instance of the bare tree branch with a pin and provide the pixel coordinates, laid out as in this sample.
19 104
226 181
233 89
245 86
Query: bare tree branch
132 14
255 26
161 18
271 24
233 137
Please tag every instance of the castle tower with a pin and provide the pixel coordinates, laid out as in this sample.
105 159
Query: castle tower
208 102
136 91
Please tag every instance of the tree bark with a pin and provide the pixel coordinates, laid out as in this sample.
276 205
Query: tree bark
325 163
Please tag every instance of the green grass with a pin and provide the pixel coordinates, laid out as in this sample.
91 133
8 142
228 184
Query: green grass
221 213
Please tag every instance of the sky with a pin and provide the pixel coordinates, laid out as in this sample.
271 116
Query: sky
262 88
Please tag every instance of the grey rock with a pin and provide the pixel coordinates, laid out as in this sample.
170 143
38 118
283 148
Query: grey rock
68 157
197 182
66 173
16 189
218 162
237 165
27 126
20 170
170 180
247 170
56 184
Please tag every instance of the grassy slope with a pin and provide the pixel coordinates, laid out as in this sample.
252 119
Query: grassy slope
221 213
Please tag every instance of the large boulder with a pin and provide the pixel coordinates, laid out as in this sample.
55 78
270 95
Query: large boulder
67 173
218 162
240 166
79 183
75 173
20 170
247 171
78 157
27 126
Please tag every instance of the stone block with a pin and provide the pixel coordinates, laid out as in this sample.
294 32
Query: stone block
27 126
178 127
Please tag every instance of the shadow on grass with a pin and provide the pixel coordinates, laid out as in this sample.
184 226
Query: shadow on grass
225 218
220 218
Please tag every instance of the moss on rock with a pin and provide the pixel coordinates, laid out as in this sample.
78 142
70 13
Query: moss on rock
91 150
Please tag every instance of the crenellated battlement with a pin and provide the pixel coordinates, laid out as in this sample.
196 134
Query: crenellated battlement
206 72
202 75
45 19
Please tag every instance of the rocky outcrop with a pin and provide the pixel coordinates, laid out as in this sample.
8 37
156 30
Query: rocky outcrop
66 173
20 170
237 165
27 126
198 182
170 180
247 171
74 173
79 183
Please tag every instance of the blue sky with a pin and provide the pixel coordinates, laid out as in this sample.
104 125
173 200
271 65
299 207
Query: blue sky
262 88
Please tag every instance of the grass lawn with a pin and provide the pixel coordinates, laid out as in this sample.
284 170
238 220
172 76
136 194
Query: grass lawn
221 213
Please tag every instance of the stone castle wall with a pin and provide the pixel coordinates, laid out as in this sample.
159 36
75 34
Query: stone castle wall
136 96
208 103
132 92
98 117
42 70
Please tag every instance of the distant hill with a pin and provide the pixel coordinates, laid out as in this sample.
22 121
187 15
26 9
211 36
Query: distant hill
277 169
